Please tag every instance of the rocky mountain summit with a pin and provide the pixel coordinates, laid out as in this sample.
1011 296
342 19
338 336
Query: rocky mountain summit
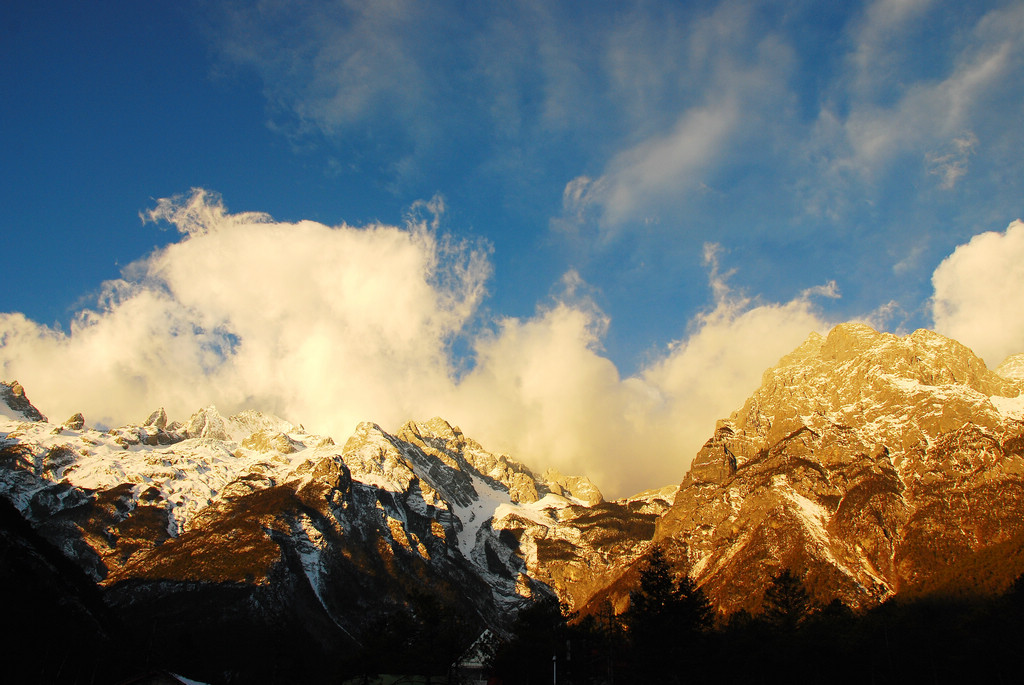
869 463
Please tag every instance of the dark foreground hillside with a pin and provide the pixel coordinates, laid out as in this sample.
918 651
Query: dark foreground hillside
933 639
62 629
57 627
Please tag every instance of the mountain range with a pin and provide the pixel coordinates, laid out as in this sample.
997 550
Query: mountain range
870 465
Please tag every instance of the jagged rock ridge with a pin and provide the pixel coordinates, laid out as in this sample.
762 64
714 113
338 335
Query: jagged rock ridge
255 509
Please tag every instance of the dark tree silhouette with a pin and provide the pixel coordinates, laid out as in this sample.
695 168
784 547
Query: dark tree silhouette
785 604
540 638
599 646
668 615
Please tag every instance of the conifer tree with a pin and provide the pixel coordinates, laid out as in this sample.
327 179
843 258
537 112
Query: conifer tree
786 603
666 616
539 636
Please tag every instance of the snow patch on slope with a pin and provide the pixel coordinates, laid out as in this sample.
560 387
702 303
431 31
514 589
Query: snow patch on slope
1010 407
188 475
815 518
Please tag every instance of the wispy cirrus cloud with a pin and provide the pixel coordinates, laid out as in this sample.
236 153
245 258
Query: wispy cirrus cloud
331 64
878 40
731 74
892 107
410 79
639 107
950 166
928 116
640 178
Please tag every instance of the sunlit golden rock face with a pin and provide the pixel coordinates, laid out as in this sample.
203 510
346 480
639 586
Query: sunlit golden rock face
868 461
859 377
269 441
1012 367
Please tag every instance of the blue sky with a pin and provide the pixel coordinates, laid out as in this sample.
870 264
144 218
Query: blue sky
648 170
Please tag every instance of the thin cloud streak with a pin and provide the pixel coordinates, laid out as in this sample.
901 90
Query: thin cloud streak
888 112
927 116
654 168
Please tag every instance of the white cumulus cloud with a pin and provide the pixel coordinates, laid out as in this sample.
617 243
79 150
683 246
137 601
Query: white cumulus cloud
318 323
979 294
332 325
543 390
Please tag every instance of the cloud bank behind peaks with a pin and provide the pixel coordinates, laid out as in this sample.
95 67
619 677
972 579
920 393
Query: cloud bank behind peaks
321 324
333 325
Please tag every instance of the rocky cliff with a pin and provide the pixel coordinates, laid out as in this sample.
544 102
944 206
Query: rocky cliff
866 462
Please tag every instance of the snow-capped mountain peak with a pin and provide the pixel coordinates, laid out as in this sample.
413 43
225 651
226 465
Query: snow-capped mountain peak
427 493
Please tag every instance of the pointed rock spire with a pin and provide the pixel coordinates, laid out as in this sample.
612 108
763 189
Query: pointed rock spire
76 422
13 395
207 423
158 419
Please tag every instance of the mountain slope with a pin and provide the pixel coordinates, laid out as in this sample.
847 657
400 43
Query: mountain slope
51 606
868 462
248 535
